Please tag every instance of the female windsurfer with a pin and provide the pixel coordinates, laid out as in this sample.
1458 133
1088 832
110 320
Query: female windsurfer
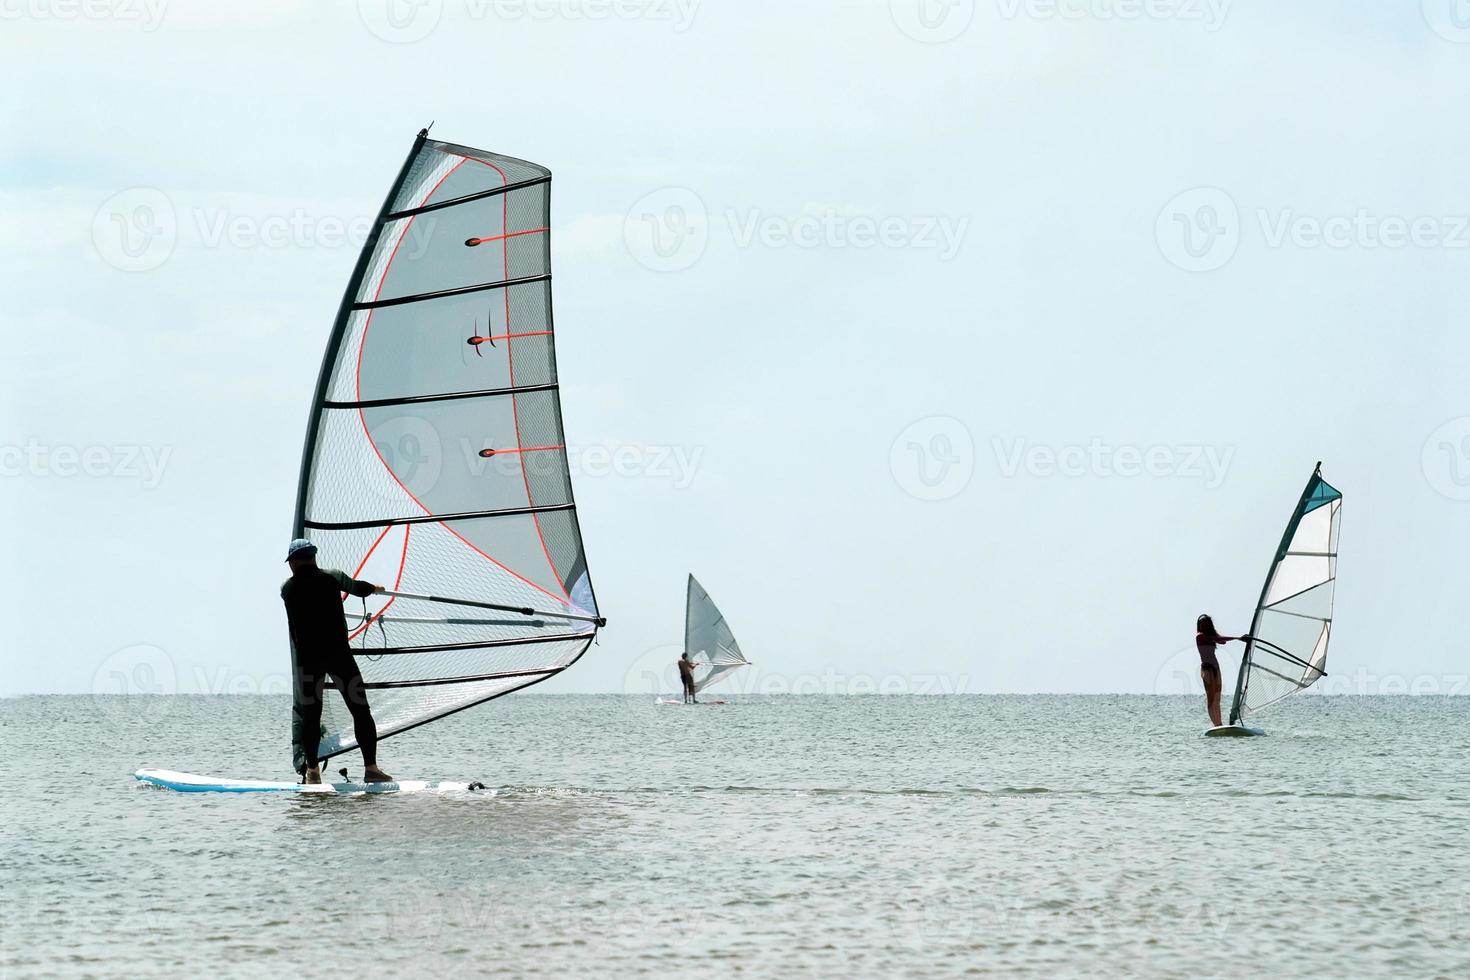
1206 638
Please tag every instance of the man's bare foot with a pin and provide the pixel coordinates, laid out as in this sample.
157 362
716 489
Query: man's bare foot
372 774
313 776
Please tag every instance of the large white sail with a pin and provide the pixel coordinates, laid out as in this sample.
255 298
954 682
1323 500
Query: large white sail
1287 649
708 640
435 462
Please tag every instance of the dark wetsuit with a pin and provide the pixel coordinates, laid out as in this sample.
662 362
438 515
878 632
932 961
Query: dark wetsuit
686 675
313 598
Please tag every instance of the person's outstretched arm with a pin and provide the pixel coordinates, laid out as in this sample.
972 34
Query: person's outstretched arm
354 586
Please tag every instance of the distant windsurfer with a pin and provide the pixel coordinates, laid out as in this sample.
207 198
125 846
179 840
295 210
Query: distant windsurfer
313 598
1206 638
686 676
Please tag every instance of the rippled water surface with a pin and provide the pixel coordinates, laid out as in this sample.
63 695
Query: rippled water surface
795 836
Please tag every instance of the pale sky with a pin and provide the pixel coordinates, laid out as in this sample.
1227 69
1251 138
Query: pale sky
952 345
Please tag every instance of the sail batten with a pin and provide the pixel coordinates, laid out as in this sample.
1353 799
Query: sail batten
445 397
708 639
374 522
1286 651
493 192
435 461
481 287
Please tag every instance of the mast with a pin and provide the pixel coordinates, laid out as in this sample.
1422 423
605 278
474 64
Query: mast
339 330
314 419
688 610
1291 526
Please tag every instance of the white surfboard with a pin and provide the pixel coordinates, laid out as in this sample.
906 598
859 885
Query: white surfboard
1234 731
188 782
696 704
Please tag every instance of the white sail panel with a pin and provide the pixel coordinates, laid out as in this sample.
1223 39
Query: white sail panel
708 639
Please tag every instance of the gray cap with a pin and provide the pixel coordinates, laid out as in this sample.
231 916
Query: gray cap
301 548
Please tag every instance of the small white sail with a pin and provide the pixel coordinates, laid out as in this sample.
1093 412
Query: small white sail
708 640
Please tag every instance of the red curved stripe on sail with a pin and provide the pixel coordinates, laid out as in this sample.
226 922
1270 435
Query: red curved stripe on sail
397 580
515 412
371 548
358 571
362 416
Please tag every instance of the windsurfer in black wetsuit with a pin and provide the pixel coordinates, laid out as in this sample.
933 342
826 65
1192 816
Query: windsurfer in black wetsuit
1206 638
313 598
686 676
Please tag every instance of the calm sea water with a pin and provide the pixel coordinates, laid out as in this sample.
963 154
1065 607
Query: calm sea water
780 837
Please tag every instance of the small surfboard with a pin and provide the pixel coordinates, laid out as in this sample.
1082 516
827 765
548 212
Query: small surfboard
1234 731
696 704
188 782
